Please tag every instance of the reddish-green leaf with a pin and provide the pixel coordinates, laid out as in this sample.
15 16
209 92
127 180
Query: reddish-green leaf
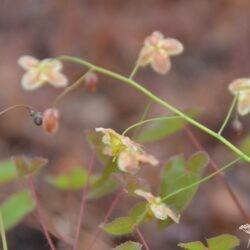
26 166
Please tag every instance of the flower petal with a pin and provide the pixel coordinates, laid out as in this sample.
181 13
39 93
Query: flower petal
146 195
154 38
146 55
31 81
159 211
162 212
161 63
28 62
127 162
244 103
57 79
239 85
171 46
53 64
145 158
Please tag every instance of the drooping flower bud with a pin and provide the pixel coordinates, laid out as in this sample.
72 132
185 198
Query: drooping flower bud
51 120
91 81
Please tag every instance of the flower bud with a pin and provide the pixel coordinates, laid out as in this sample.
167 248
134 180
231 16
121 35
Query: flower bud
51 120
91 81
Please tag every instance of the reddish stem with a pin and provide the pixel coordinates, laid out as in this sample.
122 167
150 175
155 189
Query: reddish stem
39 212
14 107
220 176
141 238
110 210
83 201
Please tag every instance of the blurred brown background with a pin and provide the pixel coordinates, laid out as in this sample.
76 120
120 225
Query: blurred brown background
216 36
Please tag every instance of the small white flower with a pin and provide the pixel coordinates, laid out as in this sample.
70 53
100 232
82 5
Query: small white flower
241 88
129 154
40 72
246 229
157 51
160 210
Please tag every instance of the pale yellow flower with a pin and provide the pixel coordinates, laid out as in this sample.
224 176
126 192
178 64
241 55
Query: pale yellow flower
157 51
241 88
129 154
41 72
159 209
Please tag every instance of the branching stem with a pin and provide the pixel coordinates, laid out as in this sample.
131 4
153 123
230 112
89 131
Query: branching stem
157 100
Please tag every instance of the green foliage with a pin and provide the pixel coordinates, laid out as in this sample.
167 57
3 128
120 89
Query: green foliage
26 166
119 226
163 128
74 179
16 207
221 242
179 173
104 188
129 245
125 225
138 212
7 171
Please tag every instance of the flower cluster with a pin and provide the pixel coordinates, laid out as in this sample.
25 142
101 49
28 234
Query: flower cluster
41 72
241 88
157 51
128 153
159 209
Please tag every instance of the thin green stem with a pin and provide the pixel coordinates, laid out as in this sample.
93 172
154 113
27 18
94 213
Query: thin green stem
150 120
157 100
229 113
3 235
134 71
201 181
143 116
73 86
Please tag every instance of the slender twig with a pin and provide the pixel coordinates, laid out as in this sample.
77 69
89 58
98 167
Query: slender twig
228 114
14 107
158 100
107 215
83 201
39 212
150 120
142 238
230 164
73 86
3 235
213 164
134 71
143 116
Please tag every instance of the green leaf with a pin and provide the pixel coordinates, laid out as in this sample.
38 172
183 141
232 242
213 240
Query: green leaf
129 245
245 145
196 245
161 129
16 207
138 212
178 173
7 171
119 226
221 242
105 188
25 165
74 179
